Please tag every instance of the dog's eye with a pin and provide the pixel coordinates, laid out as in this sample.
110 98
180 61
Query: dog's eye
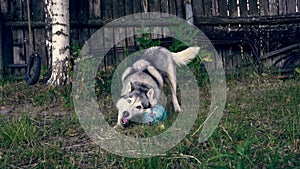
128 101
139 107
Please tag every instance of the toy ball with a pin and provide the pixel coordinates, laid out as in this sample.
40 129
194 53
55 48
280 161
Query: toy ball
158 114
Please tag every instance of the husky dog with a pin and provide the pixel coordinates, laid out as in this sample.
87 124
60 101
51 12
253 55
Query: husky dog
143 81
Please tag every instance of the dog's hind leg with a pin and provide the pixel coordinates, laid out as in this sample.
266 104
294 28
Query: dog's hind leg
171 80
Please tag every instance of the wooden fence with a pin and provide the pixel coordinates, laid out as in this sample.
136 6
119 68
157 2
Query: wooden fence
258 19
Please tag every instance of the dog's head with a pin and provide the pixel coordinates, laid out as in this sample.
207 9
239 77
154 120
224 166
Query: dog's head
134 103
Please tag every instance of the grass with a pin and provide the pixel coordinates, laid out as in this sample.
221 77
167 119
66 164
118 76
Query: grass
259 129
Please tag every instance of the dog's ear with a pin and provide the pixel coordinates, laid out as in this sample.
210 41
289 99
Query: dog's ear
128 88
150 93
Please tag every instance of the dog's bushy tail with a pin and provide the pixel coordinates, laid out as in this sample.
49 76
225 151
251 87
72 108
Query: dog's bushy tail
184 57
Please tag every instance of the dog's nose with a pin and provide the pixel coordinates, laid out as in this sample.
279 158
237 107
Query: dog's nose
125 114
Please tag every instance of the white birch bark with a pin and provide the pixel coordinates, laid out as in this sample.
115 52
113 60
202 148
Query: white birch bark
58 42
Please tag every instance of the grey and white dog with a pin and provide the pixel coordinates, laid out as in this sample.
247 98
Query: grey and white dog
142 82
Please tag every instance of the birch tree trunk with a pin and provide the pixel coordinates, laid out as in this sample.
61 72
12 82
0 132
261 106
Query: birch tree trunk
58 43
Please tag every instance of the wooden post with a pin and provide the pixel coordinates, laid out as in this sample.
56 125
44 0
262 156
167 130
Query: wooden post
189 16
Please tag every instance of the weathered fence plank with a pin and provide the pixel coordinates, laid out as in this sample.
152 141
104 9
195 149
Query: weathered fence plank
118 9
273 7
236 57
130 40
106 8
82 10
264 8
154 5
18 46
172 7
243 8
5 6
109 37
120 42
282 4
291 6
24 10
74 32
233 8
119 33
198 8
17 7
253 8
215 8
8 45
128 5
95 9
40 41
87 16
208 7
222 7
164 5
180 8
82 16
73 11
137 6
129 9
227 59
95 13
298 6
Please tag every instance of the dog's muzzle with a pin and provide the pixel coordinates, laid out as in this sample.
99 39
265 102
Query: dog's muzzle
125 116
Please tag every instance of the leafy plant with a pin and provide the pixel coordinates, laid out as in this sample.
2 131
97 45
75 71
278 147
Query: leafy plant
103 81
75 51
146 41
297 70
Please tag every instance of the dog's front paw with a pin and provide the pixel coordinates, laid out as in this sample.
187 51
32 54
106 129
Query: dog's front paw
119 127
177 109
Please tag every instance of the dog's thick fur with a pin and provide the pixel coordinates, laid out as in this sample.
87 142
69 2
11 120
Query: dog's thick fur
143 81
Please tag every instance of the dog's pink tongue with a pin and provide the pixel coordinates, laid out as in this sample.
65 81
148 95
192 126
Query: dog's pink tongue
124 120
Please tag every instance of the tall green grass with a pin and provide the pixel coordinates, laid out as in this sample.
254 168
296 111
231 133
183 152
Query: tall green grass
259 129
